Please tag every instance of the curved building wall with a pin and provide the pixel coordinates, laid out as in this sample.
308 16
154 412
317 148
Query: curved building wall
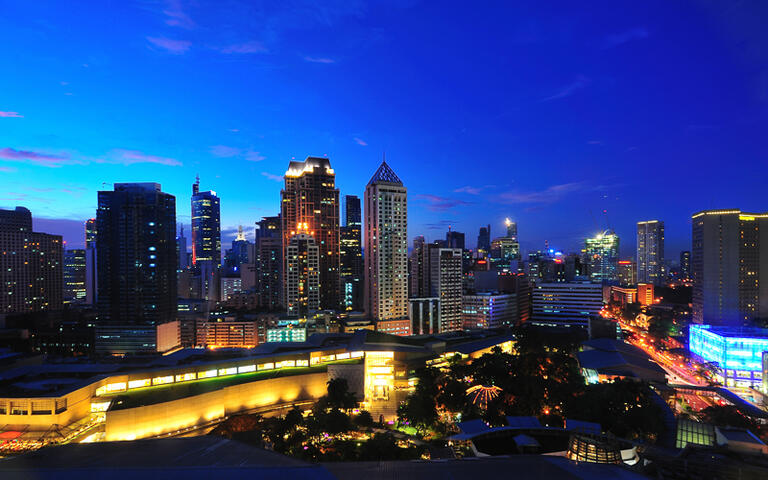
166 417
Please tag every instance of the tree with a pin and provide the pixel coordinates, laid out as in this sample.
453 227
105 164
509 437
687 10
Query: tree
364 419
729 416
338 395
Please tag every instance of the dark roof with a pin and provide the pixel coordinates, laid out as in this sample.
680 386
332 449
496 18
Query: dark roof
385 174
520 467
188 458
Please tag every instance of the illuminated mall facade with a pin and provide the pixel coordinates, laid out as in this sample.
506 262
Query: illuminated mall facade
194 388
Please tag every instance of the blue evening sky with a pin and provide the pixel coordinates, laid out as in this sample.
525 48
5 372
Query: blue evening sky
550 113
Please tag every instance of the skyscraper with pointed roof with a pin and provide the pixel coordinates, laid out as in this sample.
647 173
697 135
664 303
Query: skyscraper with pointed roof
386 246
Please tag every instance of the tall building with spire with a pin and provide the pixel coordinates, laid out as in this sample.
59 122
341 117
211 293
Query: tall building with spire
310 200
386 246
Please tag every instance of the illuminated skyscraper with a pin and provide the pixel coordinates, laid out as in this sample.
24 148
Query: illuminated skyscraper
310 198
627 272
386 246
685 264
30 265
650 252
302 284
206 225
269 262
352 255
74 276
729 267
91 270
445 283
506 249
484 240
136 259
601 253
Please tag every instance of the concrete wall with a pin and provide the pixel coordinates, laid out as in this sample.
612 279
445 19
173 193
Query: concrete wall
150 420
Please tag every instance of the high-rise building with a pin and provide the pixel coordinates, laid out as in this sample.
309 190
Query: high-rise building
729 268
418 280
351 253
685 264
445 283
489 310
206 242
484 240
269 262
566 304
386 246
626 272
136 259
310 198
601 253
181 249
650 252
91 270
511 229
30 265
507 248
238 254
425 315
206 225
454 239
302 280
74 276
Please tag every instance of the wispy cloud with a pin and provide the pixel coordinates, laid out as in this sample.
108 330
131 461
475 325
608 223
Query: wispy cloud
319 60
361 142
579 83
34 158
473 190
547 196
176 47
437 203
7 169
177 16
225 151
637 33
247 47
273 177
11 115
440 225
131 157
595 142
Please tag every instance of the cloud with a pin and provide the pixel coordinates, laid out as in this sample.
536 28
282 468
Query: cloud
440 225
437 203
472 190
35 158
549 195
177 17
272 176
225 151
319 60
176 47
595 142
637 33
8 169
11 115
247 47
580 82
130 157
360 142
70 229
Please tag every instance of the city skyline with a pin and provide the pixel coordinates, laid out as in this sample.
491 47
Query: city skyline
625 87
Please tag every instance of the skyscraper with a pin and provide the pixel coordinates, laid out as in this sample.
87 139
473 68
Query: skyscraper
30 265
91 270
601 253
650 252
181 247
729 267
386 246
454 239
418 286
685 264
269 262
507 248
74 272
445 283
136 259
310 198
206 242
238 254
302 284
351 253
206 225
484 240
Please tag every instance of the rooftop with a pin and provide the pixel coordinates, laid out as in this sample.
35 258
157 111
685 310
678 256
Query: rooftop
385 174
734 332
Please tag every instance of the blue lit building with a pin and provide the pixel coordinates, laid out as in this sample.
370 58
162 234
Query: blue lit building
737 351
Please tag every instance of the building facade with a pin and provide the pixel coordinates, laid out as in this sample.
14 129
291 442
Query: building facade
74 276
310 198
30 265
627 272
302 276
136 259
601 253
650 252
269 262
566 304
386 246
351 253
729 267
489 310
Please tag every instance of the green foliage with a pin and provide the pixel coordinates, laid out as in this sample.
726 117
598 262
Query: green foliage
364 419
